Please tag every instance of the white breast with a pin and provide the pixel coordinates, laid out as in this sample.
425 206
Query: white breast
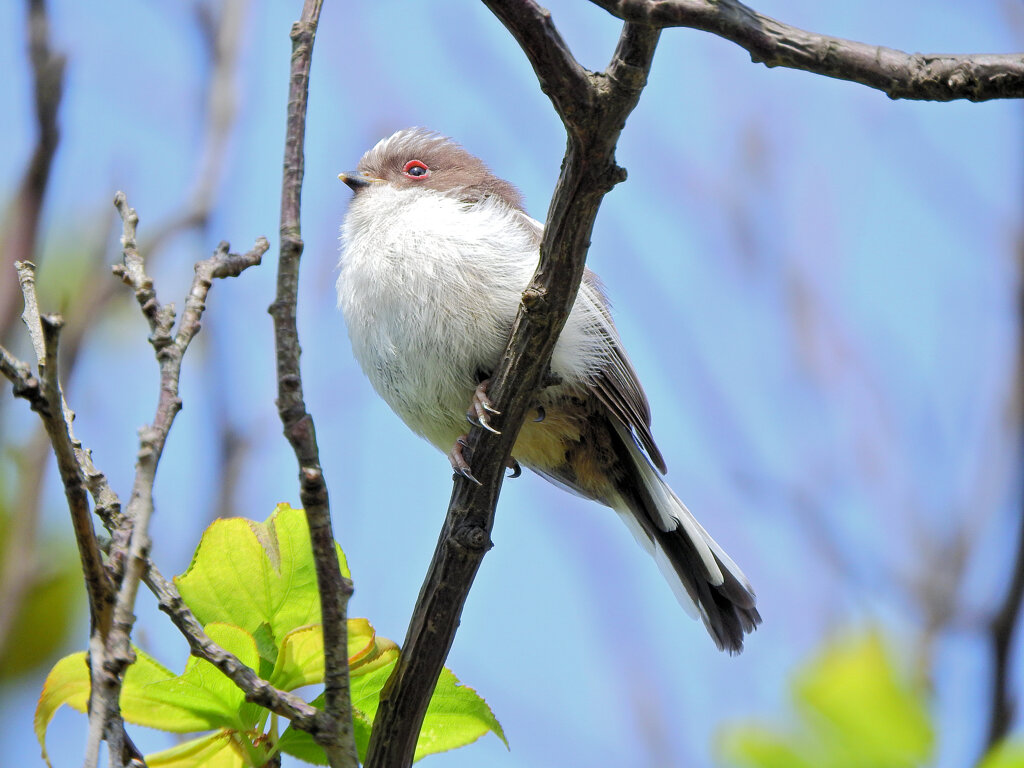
429 287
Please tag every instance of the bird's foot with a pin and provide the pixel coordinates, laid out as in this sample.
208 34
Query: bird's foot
460 465
481 408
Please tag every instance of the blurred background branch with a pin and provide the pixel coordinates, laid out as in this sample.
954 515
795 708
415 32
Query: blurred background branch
19 569
1003 626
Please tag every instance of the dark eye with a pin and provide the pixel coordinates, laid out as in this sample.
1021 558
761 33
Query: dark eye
414 169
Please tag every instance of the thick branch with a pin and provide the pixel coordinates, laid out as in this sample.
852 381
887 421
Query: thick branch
588 172
565 81
928 77
336 737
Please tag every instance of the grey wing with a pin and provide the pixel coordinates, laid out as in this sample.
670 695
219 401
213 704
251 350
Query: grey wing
616 384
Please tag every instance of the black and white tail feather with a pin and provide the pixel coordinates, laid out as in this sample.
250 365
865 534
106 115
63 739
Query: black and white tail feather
705 580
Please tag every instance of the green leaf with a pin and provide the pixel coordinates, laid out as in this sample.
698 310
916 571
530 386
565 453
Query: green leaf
217 750
862 706
257 576
1006 754
301 658
53 595
47 612
759 747
854 709
201 699
203 695
67 683
301 745
456 715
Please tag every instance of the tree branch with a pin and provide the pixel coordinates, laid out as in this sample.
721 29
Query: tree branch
48 401
563 79
111 652
929 77
336 737
594 113
257 690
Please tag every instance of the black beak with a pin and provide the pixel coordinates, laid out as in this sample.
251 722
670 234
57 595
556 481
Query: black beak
357 181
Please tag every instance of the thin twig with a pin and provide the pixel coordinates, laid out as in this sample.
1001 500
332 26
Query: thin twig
257 690
57 418
594 107
30 314
116 654
336 737
931 77
44 330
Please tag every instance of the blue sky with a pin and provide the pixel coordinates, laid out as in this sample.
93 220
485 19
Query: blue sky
816 285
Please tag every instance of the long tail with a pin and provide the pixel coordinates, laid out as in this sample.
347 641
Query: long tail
705 580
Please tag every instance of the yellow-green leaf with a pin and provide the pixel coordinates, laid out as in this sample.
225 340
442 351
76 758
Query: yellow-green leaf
456 715
854 709
1006 754
202 691
758 747
67 683
47 612
217 750
258 576
301 658
201 699
864 706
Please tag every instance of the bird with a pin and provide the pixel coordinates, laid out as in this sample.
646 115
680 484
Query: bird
436 251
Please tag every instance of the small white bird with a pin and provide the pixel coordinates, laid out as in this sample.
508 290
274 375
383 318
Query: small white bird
436 252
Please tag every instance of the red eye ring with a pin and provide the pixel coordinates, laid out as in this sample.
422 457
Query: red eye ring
416 170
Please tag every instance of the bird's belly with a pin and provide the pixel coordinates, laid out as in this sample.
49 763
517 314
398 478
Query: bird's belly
424 352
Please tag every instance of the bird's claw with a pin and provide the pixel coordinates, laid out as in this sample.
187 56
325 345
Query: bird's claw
516 469
481 408
459 464
541 414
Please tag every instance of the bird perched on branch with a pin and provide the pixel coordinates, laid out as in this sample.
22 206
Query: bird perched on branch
436 252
